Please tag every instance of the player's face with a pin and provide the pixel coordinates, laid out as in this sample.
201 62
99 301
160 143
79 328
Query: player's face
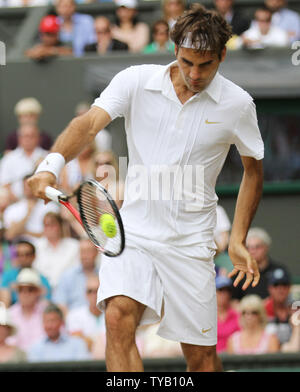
197 70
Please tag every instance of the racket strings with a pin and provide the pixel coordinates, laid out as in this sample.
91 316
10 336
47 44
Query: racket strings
93 203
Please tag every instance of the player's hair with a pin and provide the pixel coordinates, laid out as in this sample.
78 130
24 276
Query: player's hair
207 29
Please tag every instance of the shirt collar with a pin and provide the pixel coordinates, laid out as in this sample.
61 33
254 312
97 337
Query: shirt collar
158 82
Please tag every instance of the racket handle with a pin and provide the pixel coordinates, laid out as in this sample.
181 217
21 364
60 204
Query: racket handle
53 194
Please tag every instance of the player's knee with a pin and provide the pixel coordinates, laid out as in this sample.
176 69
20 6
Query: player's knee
119 320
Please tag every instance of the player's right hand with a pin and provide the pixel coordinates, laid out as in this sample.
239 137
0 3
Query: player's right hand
38 183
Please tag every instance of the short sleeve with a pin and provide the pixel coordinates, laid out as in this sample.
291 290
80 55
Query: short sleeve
116 98
247 137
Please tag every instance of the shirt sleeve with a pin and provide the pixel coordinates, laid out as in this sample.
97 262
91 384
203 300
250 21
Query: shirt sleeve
116 98
247 137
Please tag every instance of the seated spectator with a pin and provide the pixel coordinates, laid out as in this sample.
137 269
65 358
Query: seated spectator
76 29
22 161
161 41
8 353
278 305
54 252
253 337
25 254
284 18
7 253
24 219
258 243
237 19
28 111
27 313
57 345
71 289
228 318
87 321
171 10
263 34
49 45
293 345
127 28
105 43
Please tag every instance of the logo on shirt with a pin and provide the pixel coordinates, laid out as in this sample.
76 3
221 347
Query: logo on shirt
212 122
206 330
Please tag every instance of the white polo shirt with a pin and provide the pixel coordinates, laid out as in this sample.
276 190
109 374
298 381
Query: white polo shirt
163 133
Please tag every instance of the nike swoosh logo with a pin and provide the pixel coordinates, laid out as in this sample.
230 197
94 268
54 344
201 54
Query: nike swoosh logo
212 122
205 330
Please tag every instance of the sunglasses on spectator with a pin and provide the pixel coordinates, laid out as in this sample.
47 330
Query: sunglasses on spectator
25 254
27 289
251 312
106 31
263 20
103 163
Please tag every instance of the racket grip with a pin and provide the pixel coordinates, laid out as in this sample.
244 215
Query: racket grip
53 194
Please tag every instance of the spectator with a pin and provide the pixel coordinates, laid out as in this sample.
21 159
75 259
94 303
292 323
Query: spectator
284 18
106 171
253 337
28 111
8 353
278 305
88 321
171 10
293 345
161 41
20 162
49 45
76 29
263 34
7 250
105 43
25 254
127 28
24 219
228 318
64 294
258 243
27 313
57 345
237 19
54 252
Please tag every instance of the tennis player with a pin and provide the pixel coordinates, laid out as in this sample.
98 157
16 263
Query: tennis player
181 115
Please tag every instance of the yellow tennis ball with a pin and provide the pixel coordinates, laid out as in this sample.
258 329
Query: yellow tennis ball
108 225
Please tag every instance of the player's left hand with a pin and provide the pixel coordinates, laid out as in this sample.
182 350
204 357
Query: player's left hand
243 265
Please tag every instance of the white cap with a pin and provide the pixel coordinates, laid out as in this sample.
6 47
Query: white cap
126 3
29 277
5 319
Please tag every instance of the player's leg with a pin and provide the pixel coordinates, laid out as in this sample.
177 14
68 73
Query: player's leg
122 316
201 358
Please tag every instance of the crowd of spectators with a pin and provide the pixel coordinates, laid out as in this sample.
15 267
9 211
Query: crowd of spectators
49 269
67 32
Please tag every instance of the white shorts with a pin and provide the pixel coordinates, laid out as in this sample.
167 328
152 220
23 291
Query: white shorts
182 280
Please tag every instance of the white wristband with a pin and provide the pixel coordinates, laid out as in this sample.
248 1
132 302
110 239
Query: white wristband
53 163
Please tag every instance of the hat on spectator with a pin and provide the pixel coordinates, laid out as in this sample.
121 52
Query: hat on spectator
29 277
222 282
126 3
5 319
279 276
49 24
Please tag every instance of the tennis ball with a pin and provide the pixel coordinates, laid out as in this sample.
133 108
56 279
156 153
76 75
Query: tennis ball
108 225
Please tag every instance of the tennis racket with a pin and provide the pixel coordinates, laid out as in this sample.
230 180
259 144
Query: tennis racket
93 202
